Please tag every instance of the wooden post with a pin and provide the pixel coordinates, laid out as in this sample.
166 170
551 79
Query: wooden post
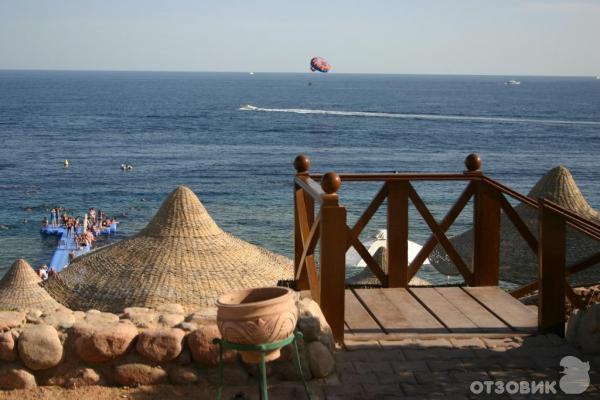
302 165
552 261
333 256
486 243
397 234
486 229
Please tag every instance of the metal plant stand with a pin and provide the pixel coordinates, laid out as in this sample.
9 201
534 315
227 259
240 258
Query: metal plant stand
261 348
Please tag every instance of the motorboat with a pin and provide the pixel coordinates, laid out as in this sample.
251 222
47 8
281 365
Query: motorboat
248 107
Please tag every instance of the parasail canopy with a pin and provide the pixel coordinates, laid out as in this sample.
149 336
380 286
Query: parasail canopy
319 64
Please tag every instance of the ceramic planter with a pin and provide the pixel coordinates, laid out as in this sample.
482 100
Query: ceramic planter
257 316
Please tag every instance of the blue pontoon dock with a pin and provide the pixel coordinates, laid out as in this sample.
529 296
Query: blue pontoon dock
67 244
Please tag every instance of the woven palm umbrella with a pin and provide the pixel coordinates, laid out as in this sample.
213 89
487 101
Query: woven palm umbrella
20 290
518 264
182 257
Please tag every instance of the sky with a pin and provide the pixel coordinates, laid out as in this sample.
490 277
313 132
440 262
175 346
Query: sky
487 37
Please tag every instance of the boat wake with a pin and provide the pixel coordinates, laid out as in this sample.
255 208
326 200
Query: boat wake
431 117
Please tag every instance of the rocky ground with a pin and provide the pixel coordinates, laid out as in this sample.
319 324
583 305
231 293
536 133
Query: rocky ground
408 369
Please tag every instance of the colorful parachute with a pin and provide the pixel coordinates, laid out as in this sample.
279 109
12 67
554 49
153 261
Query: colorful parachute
319 64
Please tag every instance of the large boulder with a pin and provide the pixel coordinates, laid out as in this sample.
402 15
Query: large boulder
77 377
170 320
160 345
99 317
142 317
139 374
202 348
321 360
203 316
40 347
15 377
11 319
181 375
97 343
171 308
60 319
8 350
312 323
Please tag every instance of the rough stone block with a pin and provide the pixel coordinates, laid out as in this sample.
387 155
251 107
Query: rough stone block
14 377
139 374
100 342
8 349
40 347
160 345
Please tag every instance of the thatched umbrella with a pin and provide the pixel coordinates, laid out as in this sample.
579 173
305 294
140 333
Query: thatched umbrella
20 290
518 264
366 277
182 256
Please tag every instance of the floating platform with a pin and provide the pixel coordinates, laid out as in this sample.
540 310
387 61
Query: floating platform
67 244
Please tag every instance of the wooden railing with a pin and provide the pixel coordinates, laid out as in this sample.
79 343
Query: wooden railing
552 284
328 228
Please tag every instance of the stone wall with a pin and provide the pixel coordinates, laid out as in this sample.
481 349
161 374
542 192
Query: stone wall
141 346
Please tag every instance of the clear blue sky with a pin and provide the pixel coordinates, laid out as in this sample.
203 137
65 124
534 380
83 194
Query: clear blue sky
506 37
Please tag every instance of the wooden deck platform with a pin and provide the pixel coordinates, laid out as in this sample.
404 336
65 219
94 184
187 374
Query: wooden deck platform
388 314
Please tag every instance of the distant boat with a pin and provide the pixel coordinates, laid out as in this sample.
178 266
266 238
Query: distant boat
251 73
248 107
512 82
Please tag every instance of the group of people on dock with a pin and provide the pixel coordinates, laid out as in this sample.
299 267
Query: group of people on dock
92 221
83 231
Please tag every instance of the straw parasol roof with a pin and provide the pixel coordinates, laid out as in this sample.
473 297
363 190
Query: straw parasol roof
20 290
366 277
518 264
182 257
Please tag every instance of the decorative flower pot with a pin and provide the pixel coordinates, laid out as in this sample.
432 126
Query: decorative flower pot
257 316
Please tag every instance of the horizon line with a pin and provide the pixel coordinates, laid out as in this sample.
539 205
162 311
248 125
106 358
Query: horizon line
290 72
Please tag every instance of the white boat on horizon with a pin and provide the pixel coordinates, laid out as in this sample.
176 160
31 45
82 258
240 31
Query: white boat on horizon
512 82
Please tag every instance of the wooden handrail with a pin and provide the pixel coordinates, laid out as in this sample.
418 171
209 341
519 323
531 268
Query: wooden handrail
378 177
512 193
574 220
311 187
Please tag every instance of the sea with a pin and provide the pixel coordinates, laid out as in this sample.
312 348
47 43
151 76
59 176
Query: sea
232 138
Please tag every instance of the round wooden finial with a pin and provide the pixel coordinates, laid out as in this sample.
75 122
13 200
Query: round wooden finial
331 182
301 163
473 162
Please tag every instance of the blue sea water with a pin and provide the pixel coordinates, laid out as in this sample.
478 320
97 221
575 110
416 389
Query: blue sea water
188 128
